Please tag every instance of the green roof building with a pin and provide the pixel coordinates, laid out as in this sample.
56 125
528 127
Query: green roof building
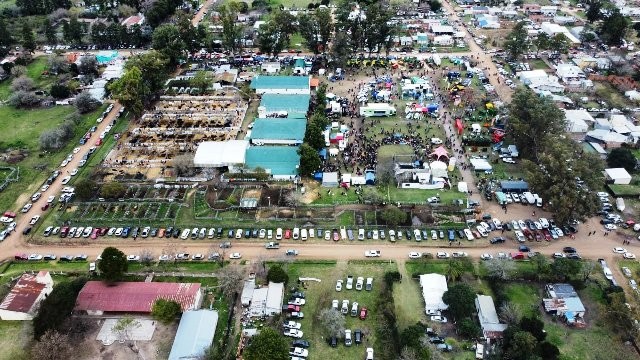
291 106
281 84
280 161
278 131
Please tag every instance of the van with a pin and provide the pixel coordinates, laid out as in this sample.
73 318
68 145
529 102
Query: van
296 233
479 351
303 234
239 234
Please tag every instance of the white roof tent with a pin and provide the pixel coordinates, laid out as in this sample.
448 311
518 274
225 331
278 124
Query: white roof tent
433 287
220 153
618 176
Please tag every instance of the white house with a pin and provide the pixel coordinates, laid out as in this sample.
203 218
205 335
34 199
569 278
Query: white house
442 29
548 10
270 67
433 287
25 296
572 76
377 109
443 40
552 29
539 80
488 317
618 176
578 121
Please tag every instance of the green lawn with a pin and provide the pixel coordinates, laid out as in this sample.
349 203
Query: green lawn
537 64
624 190
14 336
425 266
34 70
525 296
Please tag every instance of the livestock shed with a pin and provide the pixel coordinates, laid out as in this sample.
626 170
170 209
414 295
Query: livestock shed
291 106
280 161
195 334
517 186
617 176
220 153
264 84
98 298
278 131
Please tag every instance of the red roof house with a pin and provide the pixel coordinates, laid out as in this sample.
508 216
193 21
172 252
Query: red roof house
22 300
97 297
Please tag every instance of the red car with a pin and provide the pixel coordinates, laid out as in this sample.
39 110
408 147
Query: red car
94 233
44 207
336 235
363 313
547 234
10 214
21 257
293 308
517 256
287 234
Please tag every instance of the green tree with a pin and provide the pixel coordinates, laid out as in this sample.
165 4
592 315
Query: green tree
202 80
435 5
313 136
501 269
309 160
316 28
393 216
522 346
614 28
28 39
57 307
534 326
277 274
594 11
559 43
130 90
155 70
165 311
112 190
231 28
461 300
377 29
533 120
542 42
468 328
113 264
517 42
85 189
622 157
166 39
455 269
541 263
340 51
49 32
6 38
53 345
412 337
548 351
565 269
72 31
267 345
616 314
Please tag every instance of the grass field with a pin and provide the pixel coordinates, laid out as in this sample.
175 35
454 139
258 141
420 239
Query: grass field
320 294
20 129
525 296
624 190
537 64
14 336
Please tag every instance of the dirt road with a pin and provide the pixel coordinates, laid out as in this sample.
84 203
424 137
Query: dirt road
15 242
202 12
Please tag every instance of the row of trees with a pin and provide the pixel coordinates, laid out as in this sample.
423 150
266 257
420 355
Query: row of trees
613 25
518 42
552 162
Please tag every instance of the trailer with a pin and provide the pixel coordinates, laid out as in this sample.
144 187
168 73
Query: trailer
377 110
620 204
529 196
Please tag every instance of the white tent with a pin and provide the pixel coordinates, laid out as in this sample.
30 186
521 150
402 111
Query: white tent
462 187
439 169
433 287
480 164
330 179
220 153
618 176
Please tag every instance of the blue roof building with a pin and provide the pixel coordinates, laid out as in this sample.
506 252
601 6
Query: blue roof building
281 84
291 106
280 161
195 334
278 131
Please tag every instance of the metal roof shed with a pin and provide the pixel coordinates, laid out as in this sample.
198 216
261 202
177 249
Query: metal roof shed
195 334
281 131
514 186
296 105
280 161
281 84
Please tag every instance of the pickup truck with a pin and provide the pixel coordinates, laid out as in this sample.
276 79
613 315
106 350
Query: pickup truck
272 245
372 253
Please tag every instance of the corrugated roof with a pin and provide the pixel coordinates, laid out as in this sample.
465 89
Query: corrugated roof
280 82
195 334
24 294
280 160
295 105
134 296
279 129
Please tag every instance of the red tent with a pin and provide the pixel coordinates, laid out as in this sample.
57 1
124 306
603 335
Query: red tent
459 126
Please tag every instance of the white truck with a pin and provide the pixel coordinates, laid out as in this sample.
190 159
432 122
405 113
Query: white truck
372 253
529 196
272 245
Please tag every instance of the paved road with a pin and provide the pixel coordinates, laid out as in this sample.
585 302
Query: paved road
15 242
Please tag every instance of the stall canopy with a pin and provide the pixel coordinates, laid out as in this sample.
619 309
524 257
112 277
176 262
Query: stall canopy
370 177
439 152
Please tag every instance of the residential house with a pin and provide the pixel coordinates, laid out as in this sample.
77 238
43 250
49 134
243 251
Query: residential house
572 76
618 176
563 301
531 9
488 317
438 29
22 301
608 139
552 29
578 121
539 80
443 40
549 10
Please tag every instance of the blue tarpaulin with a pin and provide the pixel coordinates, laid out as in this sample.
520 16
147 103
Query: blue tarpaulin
370 177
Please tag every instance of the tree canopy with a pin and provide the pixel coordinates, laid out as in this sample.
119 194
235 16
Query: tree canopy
57 307
277 274
517 41
166 39
461 300
131 90
267 345
113 264
309 160
165 311
622 157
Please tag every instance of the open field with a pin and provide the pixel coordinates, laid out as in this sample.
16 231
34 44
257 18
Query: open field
14 336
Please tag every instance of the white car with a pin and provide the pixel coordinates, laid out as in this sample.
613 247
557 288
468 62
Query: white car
626 271
442 255
64 163
522 224
372 253
34 219
262 234
369 354
508 160
415 255
292 325
334 304
44 187
295 333
35 257
629 255
133 258
76 150
558 255
619 250
74 172
299 352
297 301
235 256
486 256
65 180
339 285
439 318
459 254
51 198
164 258
610 227
436 141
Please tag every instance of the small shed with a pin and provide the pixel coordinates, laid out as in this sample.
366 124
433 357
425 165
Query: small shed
370 177
195 334
618 176
330 179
